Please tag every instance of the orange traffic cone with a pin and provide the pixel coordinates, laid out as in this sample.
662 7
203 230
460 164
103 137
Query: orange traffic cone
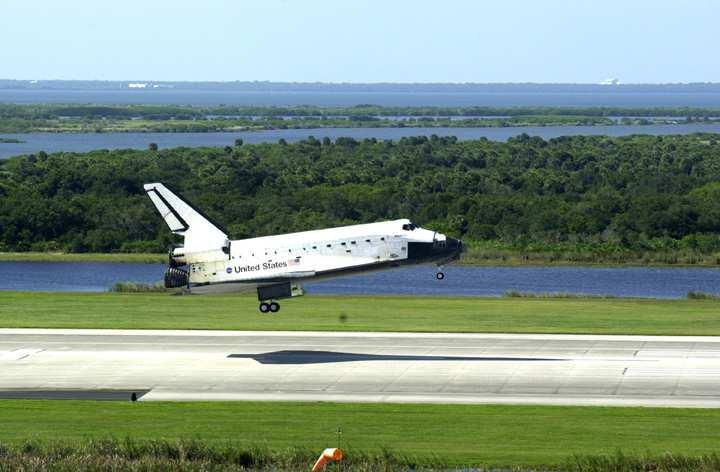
331 453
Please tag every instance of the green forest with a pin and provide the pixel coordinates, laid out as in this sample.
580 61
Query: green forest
188 112
592 194
179 119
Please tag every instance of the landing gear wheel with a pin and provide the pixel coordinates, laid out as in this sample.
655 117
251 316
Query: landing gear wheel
264 307
274 307
440 275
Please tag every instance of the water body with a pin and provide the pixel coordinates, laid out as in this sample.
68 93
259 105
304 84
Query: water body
82 142
415 280
499 98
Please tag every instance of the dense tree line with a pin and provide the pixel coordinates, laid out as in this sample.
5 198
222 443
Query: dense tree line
186 112
638 192
108 125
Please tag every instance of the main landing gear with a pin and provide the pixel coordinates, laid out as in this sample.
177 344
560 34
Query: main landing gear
272 307
267 294
440 275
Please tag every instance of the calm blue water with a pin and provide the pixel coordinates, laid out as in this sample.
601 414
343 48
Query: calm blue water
199 97
81 142
415 280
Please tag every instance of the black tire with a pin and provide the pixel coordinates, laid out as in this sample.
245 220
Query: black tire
440 275
264 307
274 307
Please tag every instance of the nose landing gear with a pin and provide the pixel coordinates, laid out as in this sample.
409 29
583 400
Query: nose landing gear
272 307
440 275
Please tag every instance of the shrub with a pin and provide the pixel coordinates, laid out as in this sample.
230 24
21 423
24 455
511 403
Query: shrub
137 287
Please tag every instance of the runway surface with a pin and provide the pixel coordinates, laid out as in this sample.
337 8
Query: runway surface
361 367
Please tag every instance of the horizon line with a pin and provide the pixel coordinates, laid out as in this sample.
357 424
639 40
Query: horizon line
262 81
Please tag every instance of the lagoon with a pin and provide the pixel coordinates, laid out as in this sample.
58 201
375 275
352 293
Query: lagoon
498 95
648 282
83 142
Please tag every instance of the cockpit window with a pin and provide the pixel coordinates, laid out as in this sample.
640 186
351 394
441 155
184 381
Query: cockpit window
409 227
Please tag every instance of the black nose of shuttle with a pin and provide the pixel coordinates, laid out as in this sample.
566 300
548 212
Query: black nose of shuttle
439 250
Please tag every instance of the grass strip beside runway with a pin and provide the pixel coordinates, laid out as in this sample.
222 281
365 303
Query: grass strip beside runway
358 313
134 258
494 435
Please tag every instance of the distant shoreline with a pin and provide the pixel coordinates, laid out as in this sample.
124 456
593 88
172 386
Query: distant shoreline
270 86
82 118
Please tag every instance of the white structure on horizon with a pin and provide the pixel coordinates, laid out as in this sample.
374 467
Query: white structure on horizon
610 82
138 85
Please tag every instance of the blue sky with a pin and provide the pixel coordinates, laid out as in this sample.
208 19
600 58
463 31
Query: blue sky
362 41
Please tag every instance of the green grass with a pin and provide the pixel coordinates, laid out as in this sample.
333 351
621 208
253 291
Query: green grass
479 254
139 258
358 313
453 434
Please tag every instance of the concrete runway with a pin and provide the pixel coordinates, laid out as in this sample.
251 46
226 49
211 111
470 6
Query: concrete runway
361 367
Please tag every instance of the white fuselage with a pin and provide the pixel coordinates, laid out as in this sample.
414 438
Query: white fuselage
208 261
308 254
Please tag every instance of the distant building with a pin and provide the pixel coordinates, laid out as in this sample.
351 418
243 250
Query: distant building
610 82
137 85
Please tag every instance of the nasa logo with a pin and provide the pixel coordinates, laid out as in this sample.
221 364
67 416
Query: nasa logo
229 270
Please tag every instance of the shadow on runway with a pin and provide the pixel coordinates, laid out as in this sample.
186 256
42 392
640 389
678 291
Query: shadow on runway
322 357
